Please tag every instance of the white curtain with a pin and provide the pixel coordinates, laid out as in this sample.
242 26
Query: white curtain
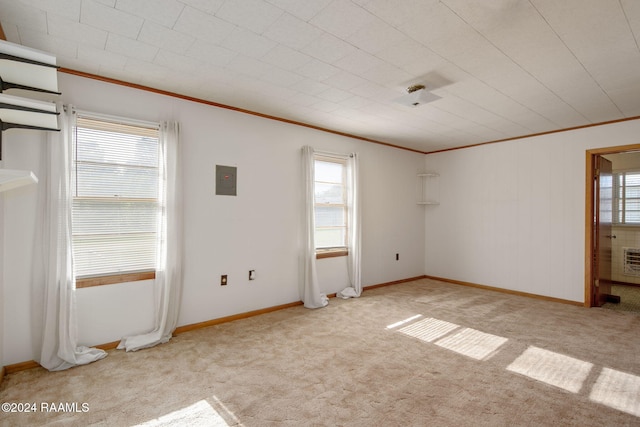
168 281
354 229
310 292
54 283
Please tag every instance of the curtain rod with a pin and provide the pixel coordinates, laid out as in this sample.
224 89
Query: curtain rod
332 154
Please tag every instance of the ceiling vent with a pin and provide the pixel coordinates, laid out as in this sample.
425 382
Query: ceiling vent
417 95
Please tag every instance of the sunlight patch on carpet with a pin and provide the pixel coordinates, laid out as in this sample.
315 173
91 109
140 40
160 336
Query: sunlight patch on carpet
199 414
552 368
429 329
403 322
473 343
618 390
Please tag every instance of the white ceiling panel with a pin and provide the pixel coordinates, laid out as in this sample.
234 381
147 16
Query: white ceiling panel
130 48
59 26
203 26
342 18
22 16
304 10
627 100
328 48
317 70
504 68
291 31
286 57
179 64
56 45
100 58
344 80
207 6
254 15
165 38
149 70
109 19
69 9
110 3
375 36
163 12
412 57
211 53
335 95
279 77
599 34
310 87
247 43
386 74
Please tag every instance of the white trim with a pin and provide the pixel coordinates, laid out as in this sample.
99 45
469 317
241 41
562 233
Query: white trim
331 154
117 119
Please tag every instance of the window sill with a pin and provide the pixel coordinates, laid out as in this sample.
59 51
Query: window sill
331 253
88 282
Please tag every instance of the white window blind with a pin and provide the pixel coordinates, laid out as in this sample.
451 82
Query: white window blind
330 202
115 204
626 203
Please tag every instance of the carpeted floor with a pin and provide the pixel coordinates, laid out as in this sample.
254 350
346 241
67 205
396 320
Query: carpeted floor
422 353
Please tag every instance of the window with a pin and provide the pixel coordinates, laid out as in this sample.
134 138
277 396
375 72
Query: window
330 205
115 184
626 204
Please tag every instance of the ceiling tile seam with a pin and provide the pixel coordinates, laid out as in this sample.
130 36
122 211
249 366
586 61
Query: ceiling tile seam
307 21
604 92
184 6
521 68
104 47
198 9
626 18
452 95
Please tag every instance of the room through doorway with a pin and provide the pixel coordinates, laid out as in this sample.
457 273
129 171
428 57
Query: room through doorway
612 276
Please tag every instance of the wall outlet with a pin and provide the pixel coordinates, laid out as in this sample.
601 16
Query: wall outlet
223 280
252 275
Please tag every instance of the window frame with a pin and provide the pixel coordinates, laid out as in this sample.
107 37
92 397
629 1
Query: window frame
334 251
115 277
620 198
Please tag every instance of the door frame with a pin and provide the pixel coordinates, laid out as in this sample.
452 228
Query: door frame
589 214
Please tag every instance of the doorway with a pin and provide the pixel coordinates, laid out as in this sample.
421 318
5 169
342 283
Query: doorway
604 283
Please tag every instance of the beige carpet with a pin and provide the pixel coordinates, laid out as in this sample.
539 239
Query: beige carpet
423 353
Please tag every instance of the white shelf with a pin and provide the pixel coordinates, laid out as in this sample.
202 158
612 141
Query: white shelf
428 188
11 178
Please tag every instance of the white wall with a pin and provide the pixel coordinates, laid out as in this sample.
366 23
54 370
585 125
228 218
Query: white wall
19 151
512 214
258 229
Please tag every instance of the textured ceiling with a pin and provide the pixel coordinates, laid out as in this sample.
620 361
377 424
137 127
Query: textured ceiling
503 68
